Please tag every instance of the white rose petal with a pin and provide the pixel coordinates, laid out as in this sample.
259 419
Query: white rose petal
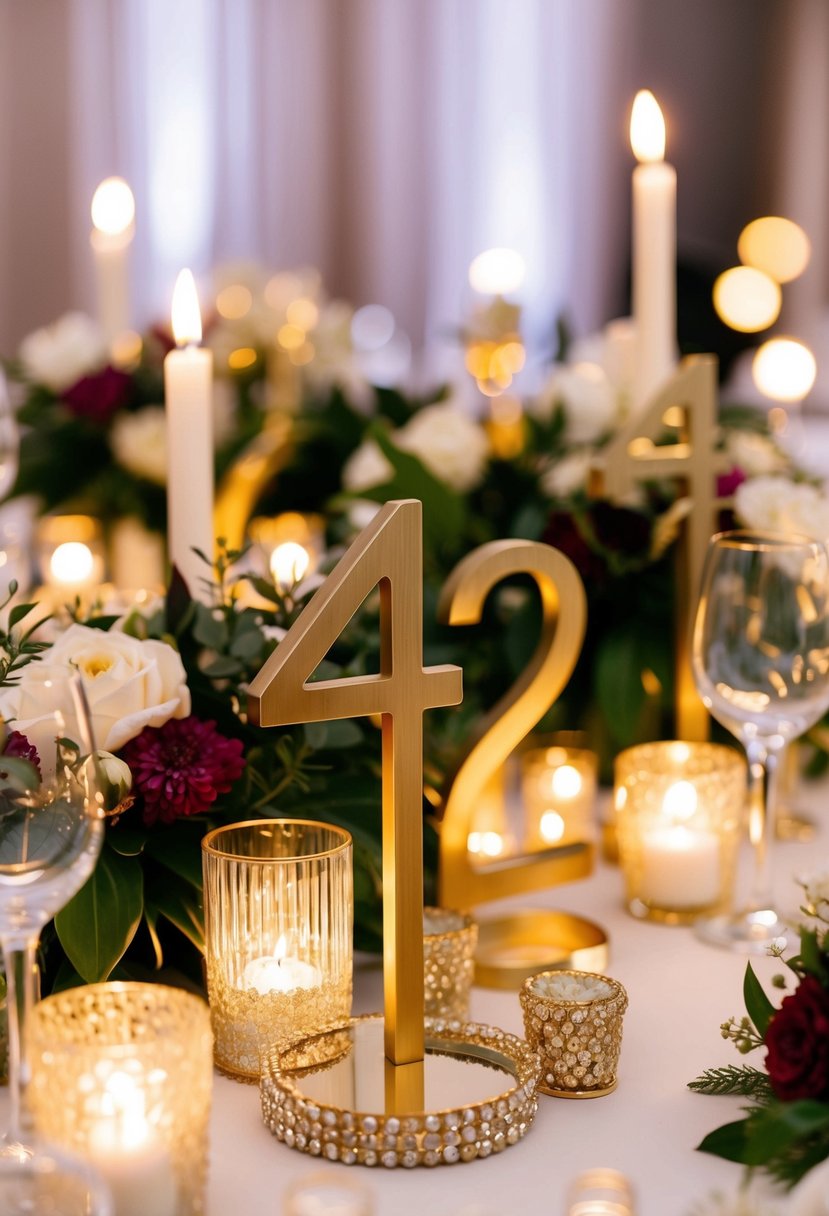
588 397
776 504
139 443
129 684
567 475
366 467
451 446
60 354
754 454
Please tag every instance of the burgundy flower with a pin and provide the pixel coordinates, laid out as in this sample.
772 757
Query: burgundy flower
98 397
797 1039
727 482
562 532
180 768
18 745
620 529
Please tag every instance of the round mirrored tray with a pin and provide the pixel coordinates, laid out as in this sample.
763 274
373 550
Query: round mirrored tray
512 948
335 1095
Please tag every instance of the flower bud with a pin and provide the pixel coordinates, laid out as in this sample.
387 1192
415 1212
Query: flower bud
112 777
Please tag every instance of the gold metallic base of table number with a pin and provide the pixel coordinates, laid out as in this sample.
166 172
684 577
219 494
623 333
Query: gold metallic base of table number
332 1096
512 948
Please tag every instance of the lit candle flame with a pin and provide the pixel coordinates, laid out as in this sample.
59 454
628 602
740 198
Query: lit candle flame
185 313
680 801
72 562
289 564
113 206
647 128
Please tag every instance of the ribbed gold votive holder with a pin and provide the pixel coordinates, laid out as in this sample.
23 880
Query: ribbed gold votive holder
278 910
449 941
573 1019
122 1076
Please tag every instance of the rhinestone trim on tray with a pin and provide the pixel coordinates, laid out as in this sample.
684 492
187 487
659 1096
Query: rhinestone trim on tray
427 1138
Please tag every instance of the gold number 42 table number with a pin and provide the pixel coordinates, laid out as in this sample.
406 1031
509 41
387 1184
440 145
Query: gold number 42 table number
387 554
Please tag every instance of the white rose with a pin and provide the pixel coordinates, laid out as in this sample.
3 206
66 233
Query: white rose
754 454
129 684
366 467
139 443
567 475
60 354
588 398
776 504
451 446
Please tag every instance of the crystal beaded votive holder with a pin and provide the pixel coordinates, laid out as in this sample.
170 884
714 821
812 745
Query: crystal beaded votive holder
449 941
278 910
679 807
558 791
573 1019
122 1075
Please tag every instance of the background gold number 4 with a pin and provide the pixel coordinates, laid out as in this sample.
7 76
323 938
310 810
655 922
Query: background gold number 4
388 554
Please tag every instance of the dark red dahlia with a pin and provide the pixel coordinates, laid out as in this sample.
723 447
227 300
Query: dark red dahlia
727 483
18 745
98 397
180 768
797 1039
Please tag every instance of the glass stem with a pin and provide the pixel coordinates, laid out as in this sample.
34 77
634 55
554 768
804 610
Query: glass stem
762 796
21 994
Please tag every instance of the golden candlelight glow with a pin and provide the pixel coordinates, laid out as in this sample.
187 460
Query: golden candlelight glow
746 299
497 272
566 782
775 245
126 349
303 313
552 826
290 337
113 207
488 844
647 128
680 801
242 357
234 302
72 562
185 312
289 563
784 369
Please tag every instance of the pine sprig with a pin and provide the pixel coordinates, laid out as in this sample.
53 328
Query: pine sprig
739 1079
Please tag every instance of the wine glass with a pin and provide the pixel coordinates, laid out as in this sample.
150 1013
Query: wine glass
51 831
50 1183
761 663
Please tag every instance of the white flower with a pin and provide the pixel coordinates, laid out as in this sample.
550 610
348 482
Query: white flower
451 446
776 504
366 467
129 684
816 888
588 397
335 361
139 443
567 475
60 354
111 776
754 454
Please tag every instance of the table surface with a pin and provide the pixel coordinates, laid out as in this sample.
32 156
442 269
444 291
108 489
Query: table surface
680 992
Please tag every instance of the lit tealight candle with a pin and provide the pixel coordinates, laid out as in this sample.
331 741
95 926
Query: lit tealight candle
279 972
72 565
129 1155
558 791
289 564
680 862
113 219
654 248
188 389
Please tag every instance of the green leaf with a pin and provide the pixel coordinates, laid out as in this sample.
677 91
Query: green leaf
734 1079
758 1005
208 630
247 645
178 847
128 841
728 1141
98 924
443 510
18 773
222 667
18 613
179 905
776 1127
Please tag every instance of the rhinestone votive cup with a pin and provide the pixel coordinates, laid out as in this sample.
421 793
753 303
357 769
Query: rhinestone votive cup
278 909
573 1019
449 941
122 1076
679 807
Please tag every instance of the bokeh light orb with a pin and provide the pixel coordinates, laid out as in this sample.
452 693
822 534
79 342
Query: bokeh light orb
746 299
113 206
784 369
775 245
497 272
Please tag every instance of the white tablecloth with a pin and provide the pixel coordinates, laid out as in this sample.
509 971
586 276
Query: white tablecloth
680 992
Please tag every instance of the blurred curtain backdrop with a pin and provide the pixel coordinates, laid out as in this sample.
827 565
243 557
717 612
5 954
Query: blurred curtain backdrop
384 141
